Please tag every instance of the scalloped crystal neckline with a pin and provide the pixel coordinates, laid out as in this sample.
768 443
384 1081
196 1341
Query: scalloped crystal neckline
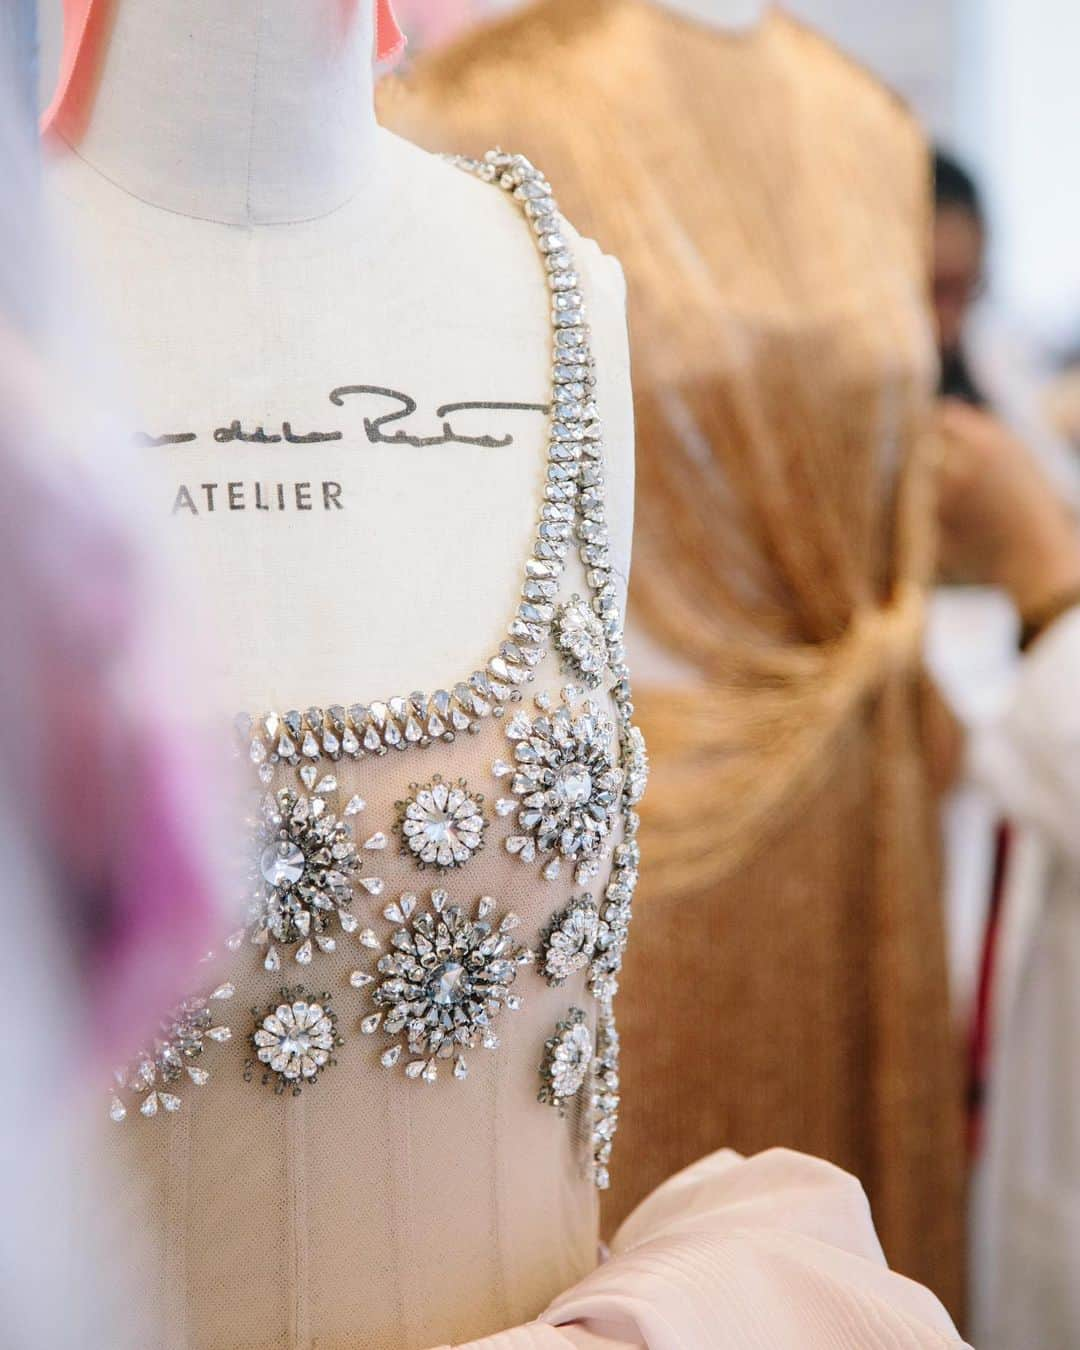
572 506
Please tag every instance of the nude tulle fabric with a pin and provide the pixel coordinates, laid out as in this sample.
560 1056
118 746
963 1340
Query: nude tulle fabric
775 1252
372 1211
769 203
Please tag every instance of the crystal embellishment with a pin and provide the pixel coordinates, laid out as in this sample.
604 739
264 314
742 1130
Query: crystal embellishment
567 1062
445 981
565 781
569 941
579 638
294 1041
441 824
305 864
157 1075
636 760
564 791
604 1099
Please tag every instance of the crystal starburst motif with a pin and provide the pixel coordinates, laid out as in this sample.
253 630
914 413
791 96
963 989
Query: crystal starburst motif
579 638
566 782
176 1057
568 1059
569 941
444 983
304 860
294 1041
442 824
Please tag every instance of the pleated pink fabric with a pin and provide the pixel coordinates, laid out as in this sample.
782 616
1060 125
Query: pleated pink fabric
774 1252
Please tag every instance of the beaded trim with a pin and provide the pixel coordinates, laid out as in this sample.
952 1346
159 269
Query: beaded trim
573 505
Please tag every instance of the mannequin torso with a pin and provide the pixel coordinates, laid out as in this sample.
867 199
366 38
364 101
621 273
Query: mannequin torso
280 277
257 243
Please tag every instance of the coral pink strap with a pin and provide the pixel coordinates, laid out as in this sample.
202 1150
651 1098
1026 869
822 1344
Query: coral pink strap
82 18
77 14
389 39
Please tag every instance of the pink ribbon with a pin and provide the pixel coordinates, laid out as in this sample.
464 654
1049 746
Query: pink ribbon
83 25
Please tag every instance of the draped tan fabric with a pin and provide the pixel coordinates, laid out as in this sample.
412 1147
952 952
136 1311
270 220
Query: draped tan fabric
786 983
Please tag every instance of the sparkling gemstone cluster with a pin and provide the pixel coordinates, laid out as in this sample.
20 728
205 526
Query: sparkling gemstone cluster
305 862
604 1097
579 639
294 1041
614 930
443 984
567 1062
569 941
566 782
442 824
176 1057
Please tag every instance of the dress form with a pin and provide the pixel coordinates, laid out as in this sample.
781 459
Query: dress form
768 199
255 241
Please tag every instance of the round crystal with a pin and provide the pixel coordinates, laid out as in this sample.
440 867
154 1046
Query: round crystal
574 784
437 828
448 984
297 1042
282 864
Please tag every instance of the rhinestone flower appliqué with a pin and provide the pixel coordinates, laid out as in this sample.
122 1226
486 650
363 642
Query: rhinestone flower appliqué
177 1054
568 1059
580 640
442 824
304 860
569 941
446 980
565 781
294 1040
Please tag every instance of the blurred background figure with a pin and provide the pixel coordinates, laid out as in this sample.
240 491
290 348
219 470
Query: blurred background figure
789 937
1004 524
1010 567
993 389
983 363
107 897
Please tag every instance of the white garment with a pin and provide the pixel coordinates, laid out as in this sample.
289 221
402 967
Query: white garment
1026 1211
971 643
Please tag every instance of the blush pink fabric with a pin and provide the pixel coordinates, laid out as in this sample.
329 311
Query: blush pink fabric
108 781
82 26
773 1252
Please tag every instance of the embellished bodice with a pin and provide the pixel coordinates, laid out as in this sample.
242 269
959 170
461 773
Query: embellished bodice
383 1120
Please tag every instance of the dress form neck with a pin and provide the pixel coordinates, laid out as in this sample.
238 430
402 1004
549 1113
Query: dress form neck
739 15
255 112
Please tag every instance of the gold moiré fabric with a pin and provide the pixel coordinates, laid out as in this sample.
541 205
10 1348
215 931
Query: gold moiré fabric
786 982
